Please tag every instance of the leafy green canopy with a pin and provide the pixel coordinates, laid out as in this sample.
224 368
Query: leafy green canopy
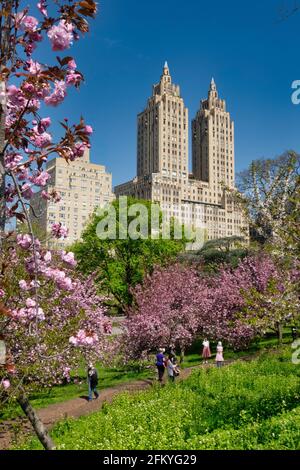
122 263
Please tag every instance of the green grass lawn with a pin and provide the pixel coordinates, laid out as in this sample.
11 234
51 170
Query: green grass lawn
108 378
112 377
247 405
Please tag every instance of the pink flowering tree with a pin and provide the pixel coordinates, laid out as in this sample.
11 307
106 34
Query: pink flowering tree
48 337
164 312
29 89
177 304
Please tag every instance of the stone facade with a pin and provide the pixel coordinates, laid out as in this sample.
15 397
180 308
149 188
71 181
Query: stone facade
83 185
198 199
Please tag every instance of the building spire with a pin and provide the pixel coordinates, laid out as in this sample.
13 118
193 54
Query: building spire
213 85
166 69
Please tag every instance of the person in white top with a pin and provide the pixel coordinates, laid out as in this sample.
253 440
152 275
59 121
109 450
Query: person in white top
206 354
219 356
171 367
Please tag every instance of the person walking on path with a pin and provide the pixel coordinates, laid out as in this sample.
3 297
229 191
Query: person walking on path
160 364
92 377
171 368
219 356
206 354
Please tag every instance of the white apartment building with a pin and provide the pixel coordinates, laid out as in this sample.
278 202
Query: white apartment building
83 187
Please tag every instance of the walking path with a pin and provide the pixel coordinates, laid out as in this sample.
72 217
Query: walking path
77 407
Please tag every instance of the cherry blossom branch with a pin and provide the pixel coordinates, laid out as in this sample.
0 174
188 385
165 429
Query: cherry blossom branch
23 204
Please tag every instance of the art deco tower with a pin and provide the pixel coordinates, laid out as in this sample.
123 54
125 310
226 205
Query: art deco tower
213 144
199 200
162 140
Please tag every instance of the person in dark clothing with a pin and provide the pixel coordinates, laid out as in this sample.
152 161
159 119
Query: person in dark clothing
92 376
294 333
160 364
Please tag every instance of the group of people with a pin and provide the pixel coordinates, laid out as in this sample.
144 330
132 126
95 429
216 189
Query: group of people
169 361
163 362
206 353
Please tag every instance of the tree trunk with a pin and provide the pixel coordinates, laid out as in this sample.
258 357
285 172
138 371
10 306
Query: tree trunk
280 333
35 421
182 351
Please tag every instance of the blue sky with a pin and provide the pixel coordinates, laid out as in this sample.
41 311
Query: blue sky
252 55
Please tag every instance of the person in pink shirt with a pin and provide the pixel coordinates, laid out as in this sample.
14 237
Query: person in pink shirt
219 356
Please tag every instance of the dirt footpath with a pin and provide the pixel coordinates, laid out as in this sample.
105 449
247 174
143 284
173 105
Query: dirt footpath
77 407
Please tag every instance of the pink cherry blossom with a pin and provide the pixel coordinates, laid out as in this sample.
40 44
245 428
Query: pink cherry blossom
66 373
29 23
46 195
28 88
45 123
27 192
5 383
47 257
15 97
34 284
12 160
30 303
88 130
65 283
84 338
23 284
42 140
33 67
61 36
40 179
58 231
58 94
42 6
24 241
69 258
78 150
73 78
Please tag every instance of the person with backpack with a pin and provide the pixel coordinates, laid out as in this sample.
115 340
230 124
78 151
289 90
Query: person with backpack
172 367
160 364
92 376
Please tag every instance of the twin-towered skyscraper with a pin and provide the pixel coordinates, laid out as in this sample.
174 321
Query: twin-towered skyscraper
201 199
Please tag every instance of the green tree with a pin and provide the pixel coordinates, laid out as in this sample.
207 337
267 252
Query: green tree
229 250
215 253
121 263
